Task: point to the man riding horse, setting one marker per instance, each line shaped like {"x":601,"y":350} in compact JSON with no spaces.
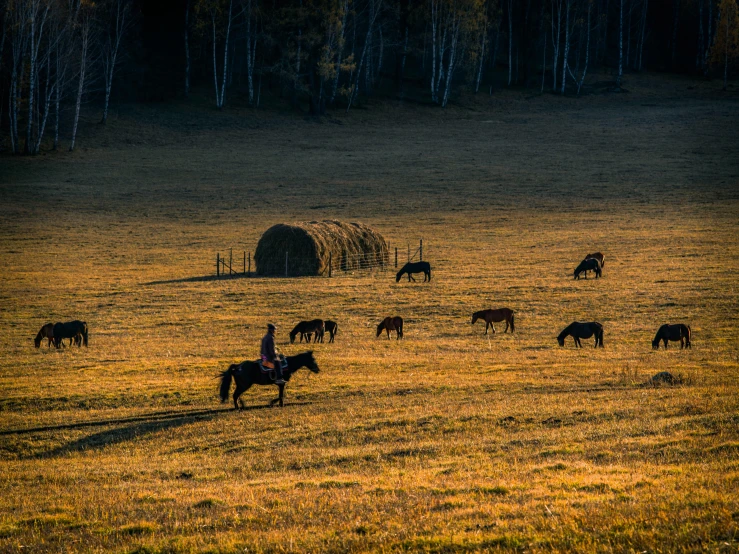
{"x":270,"y":359}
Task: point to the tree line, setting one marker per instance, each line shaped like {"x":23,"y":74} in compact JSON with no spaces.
{"x":331,"y":54}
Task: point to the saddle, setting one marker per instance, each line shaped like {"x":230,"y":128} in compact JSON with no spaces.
{"x":269,"y":367}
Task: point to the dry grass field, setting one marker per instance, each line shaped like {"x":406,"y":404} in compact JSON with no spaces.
{"x":446,"y":441}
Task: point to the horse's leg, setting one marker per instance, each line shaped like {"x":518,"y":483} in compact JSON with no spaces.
{"x":486,"y":327}
{"x":279,"y":398}
{"x":240,"y":389}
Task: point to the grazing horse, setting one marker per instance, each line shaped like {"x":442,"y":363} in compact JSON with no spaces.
{"x":248,"y":373}
{"x":71,"y":330}
{"x":46,"y":332}
{"x":332,"y":327}
{"x":582,"y":331}
{"x":391,"y":324}
{"x":490,"y":316}
{"x":415,"y":267}
{"x":598,"y":256}
{"x":588,"y":264}
{"x":307,"y":328}
{"x":673,"y":332}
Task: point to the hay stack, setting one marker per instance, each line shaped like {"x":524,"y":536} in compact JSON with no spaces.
{"x":309,"y":245}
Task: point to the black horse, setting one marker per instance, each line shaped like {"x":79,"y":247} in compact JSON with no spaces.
{"x":415,"y":267}
{"x":74,"y":330}
{"x":306,"y":329}
{"x":675,"y":332}
{"x":582,"y":331}
{"x":588,"y":264}
{"x":248,"y":373}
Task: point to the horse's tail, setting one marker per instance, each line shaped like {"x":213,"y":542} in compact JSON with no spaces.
{"x":226,"y":377}
{"x":84,"y":333}
{"x":429,"y":266}
{"x":687,"y":327}
{"x":600,"y":336}
{"x":513,"y":326}
{"x":400,"y":328}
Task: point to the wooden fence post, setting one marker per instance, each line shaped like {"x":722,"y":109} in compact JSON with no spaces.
{"x":396,"y":257}
{"x":420,"y":251}
{"x":285,"y":263}
{"x":249,"y":263}
{"x":409,"y":252}
{"x":245,"y":262}
{"x":330,"y":260}
{"x":218,"y":265}
{"x":230,"y":261}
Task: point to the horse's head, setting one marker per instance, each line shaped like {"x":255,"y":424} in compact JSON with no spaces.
{"x":561,"y":339}
{"x":307,"y":360}
{"x":475,"y":317}
{"x":37,"y":340}
{"x":292,"y":337}
{"x":398,"y":275}
{"x":380,"y":327}
{"x":655,"y":344}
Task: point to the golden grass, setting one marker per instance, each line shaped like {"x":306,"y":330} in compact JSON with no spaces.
{"x":446,"y":441}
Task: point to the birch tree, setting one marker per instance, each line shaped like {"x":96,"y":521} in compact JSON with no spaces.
{"x":117,"y":14}
{"x":218,"y":16}
{"x":620,"y":43}
{"x":186,"y":33}
{"x":85,"y":30}
{"x":726,"y":44}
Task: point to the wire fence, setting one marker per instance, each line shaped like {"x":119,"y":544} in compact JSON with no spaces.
{"x":346,"y":263}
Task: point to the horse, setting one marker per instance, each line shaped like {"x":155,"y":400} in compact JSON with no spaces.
{"x":588,"y":264}
{"x":332,"y":327}
{"x":71,"y":330}
{"x":391,"y":324}
{"x":673,"y":332}
{"x":46,"y":332}
{"x":415,"y":267}
{"x":307,"y":328}
{"x":582,"y":331}
{"x":598,"y":256}
{"x":490,"y":316}
{"x":248,"y":373}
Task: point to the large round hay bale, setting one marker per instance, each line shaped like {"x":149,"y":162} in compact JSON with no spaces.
{"x":309,"y":245}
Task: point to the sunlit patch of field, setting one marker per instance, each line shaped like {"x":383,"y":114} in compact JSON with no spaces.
{"x":445,"y":441}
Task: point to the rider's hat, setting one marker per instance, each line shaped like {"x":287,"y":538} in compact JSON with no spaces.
{"x":271,"y":327}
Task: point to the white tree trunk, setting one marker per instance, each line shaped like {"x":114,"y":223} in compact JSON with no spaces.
{"x":555,"y":41}
{"x":370,"y":23}
{"x":482,"y":59}
{"x":567,"y":47}
{"x":620,"y":43}
{"x":112,"y":53}
{"x":81,"y":84}
{"x":643,"y":29}
{"x":187,"y":49}
{"x":340,"y":51}
{"x":510,"y":41}
{"x":434,"y":24}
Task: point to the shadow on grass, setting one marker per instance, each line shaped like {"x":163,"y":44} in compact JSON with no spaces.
{"x":148,"y":418}
{"x":145,"y":426}
{"x":202,"y":279}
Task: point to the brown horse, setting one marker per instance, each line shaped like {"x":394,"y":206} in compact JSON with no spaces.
{"x":673,"y":333}
{"x":490,"y":316}
{"x":391,"y":324}
{"x":307,"y":328}
{"x":46,"y":332}
{"x":598,"y":256}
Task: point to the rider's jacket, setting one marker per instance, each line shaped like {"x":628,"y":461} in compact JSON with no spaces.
{"x":268,"y":348}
